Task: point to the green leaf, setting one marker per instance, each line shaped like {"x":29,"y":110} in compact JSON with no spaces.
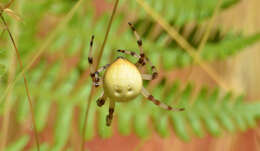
{"x":179,"y":126}
{"x":63,"y":124}
{"x":42,"y":108}
{"x":2,"y":70}
{"x":22,"y":110}
{"x":19,"y":144}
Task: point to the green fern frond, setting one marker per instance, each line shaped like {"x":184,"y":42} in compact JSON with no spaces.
{"x":212,"y":51}
{"x":2,"y":70}
{"x":43,"y":147}
{"x":193,"y":10}
{"x":171,"y":54}
{"x":229,"y":46}
{"x":19,"y":144}
{"x":209,"y":110}
{"x":50,"y":82}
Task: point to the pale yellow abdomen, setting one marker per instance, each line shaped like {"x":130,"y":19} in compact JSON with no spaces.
{"x":122,"y":81}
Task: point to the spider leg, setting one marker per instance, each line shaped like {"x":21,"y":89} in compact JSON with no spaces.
{"x":139,"y":43}
{"x":157,"y":102}
{"x":143,"y":59}
{"x":139,"y":40}
{"x":109,"y":117}
{"x":134,"y":54}
{"x":154,"y":74}
{"x":101,"y":100}
{"x":147,"y":77}
{"x":90,"y":57}
{"x":95,"y":76}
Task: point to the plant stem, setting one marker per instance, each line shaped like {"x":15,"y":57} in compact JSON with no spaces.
{"x":107,"y":33}
{"x":43,"y":47}
{"x":205,"y":38}
{"x":86,"y":118}
{"x":98,"y":61}
{"x":209,"y":27}
{"x":25,"y":83}
{"x":7,"y":103}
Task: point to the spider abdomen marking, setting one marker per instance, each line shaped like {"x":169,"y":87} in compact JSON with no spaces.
{"x":122,"y":81}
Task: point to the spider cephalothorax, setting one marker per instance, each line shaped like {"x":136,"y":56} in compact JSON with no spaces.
{"x":123,"y":80}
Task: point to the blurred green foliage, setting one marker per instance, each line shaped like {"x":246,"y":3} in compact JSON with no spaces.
{"x":51,"y":81}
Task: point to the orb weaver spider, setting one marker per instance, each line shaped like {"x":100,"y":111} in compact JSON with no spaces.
{"x":122,"y":80}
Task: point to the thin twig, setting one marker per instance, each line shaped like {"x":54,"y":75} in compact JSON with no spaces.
{"x":98,"y":61}
{"x":209,"y":27}
{"x":86,"y":118}
{"x":7,"y":103}
{"x":25,"y":83}
{"x":184,"y":44}
{"x":107,"y":33}
{"x":43,"y":47}
{"x":205,"y":37}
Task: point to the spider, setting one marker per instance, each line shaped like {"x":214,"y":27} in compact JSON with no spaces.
{"x":122,"y":80}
